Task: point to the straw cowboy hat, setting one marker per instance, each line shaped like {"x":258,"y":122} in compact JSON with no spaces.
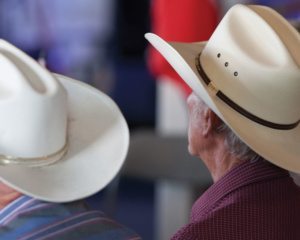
{"x":248,"y":74}
{"x":60,"y":139}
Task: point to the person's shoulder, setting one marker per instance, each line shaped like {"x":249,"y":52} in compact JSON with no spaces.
{"x":33,"y":219}
{"x":205,"y":229}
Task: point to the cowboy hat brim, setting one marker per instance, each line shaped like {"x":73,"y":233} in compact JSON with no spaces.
{"x":280,"y":147}
{"x":98,"y":139}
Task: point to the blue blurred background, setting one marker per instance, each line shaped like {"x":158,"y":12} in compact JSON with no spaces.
{"x":101,"y":42}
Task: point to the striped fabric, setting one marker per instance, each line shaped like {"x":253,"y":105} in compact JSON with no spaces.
{"x":30,"y":219}
{"x":254,"y":201}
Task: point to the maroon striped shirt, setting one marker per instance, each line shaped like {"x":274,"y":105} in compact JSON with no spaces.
{"x":255,"y":200}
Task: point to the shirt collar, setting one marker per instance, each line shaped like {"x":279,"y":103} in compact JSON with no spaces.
{"x":241,"y":175}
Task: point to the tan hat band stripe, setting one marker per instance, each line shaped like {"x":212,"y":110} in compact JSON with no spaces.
{"x":238,"y":108}
{"x":34,"y":162}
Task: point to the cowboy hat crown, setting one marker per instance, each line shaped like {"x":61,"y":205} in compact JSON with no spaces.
{"x":250,"y":54}
{"x":33,"y":108}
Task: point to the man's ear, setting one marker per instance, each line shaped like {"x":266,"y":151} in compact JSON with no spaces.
{"x":212,"y":121}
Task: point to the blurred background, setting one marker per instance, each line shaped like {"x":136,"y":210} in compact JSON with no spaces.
{"x":101,"y":42}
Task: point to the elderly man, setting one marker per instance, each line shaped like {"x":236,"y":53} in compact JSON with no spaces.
{"x":58,"y":145}
{"x":244,"y":124}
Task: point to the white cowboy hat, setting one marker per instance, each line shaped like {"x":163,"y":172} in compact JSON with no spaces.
{"x":248,"y":74}
{"x":60,"y":139}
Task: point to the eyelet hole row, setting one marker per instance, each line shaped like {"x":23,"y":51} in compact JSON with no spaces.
{"x":227,"y":64}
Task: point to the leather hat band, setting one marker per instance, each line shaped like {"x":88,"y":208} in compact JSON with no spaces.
{"x":235,"y":106}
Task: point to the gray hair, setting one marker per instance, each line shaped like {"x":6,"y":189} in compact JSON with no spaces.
{"x":236,"y":146}
{"x":233,"y":143}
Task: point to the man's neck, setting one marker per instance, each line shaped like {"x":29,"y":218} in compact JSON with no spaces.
{"x":224,"y":163}
{"x":219,"y":161}
{"x":7,"y":195}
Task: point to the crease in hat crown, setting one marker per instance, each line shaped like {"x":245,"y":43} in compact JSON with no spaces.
{"x":33,"y":107}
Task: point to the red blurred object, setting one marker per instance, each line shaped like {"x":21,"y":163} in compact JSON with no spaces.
{"x":183,"y":21}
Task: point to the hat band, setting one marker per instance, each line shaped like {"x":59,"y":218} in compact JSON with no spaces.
{"x":34,"y":162}
{"x":235,"y":106}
